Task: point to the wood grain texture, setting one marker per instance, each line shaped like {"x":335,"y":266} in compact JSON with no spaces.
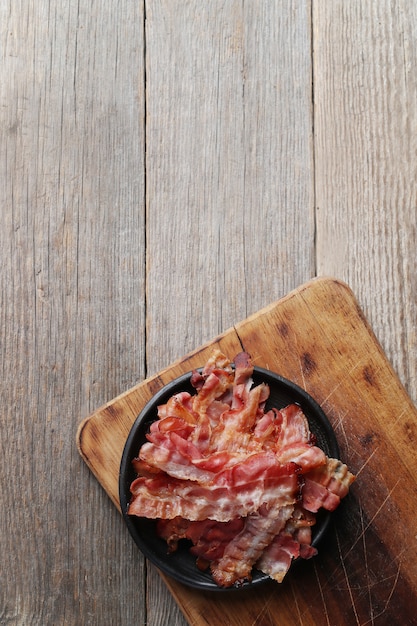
{"x":161,"y":180}
{"x":72,"y":308}
{"x":228,"y":94}
{"x":365,"y":90}
{"x":318,"y":337}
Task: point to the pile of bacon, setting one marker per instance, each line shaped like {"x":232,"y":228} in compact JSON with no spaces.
{"x":242,"y":484}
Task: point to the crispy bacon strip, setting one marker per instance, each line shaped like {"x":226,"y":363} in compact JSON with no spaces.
{"x":245,"y":549}
{"x":292,"y":542}
{"x":326,"y":485}
{"x":242,"y":484}
{"x":278,"y":556}
{"x":209,"y":537}
{"x":235,"y":492}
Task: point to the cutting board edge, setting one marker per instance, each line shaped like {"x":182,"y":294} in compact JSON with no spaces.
{"x":177,"y":362}
{"x":190,"y":603}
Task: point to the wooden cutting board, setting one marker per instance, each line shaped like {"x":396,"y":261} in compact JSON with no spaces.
{"x":366,"y":570}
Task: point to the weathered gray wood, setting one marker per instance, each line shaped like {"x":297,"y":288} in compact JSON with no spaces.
{"x":230,"y":222}
{"x":365,"y":94}
{"x":234,"y":184}
{"x":72,"y":305}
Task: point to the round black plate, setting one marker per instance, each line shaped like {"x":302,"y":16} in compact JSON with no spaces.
{"x":181,"y":564}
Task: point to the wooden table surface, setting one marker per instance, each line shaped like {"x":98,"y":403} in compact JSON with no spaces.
{"x":167,"y":169}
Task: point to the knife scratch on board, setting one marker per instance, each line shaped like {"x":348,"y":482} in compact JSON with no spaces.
{"x":399,"y":416}
{"x":349,"y":588}
{"x":263,"y":611}
{"x":334,"y":389}
{"x":375,"y":515}
{"x":294,"y":595}
{"x":385,"y":607}
{"x":339,"y":426}
{"x":302,"y":373}
{"x":368,"y":580}
{"x":366,"y":462}
{"x":323,"y":599}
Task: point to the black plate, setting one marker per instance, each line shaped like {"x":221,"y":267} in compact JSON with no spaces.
{"x":181,"y":564}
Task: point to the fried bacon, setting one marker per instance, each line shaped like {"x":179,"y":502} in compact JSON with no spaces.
{"x":234,"y":492}
{"x":244,"y":550}
{"x":326,"y":485}
{"x":292,"y":542}
{"x":209,"y":537}
{"x":240,"y":483}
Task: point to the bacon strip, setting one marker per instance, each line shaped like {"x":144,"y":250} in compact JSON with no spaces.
{"x":242,"y":484}
{"x":244,"y":550}
{"x":234,"y":492}
{"x":292,"y":542}
{"x":326,"y":485}
{"x":209,"y":537}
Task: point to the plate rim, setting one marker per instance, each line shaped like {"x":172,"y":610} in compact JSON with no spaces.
{"x":141,"y":422}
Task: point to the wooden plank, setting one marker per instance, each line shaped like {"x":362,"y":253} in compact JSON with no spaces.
{"x":318,"y":337}
{"x":230,"y":213}
{"x":365,"y":90}
{"x":71,"y":299}
{"x":230,"y":221}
